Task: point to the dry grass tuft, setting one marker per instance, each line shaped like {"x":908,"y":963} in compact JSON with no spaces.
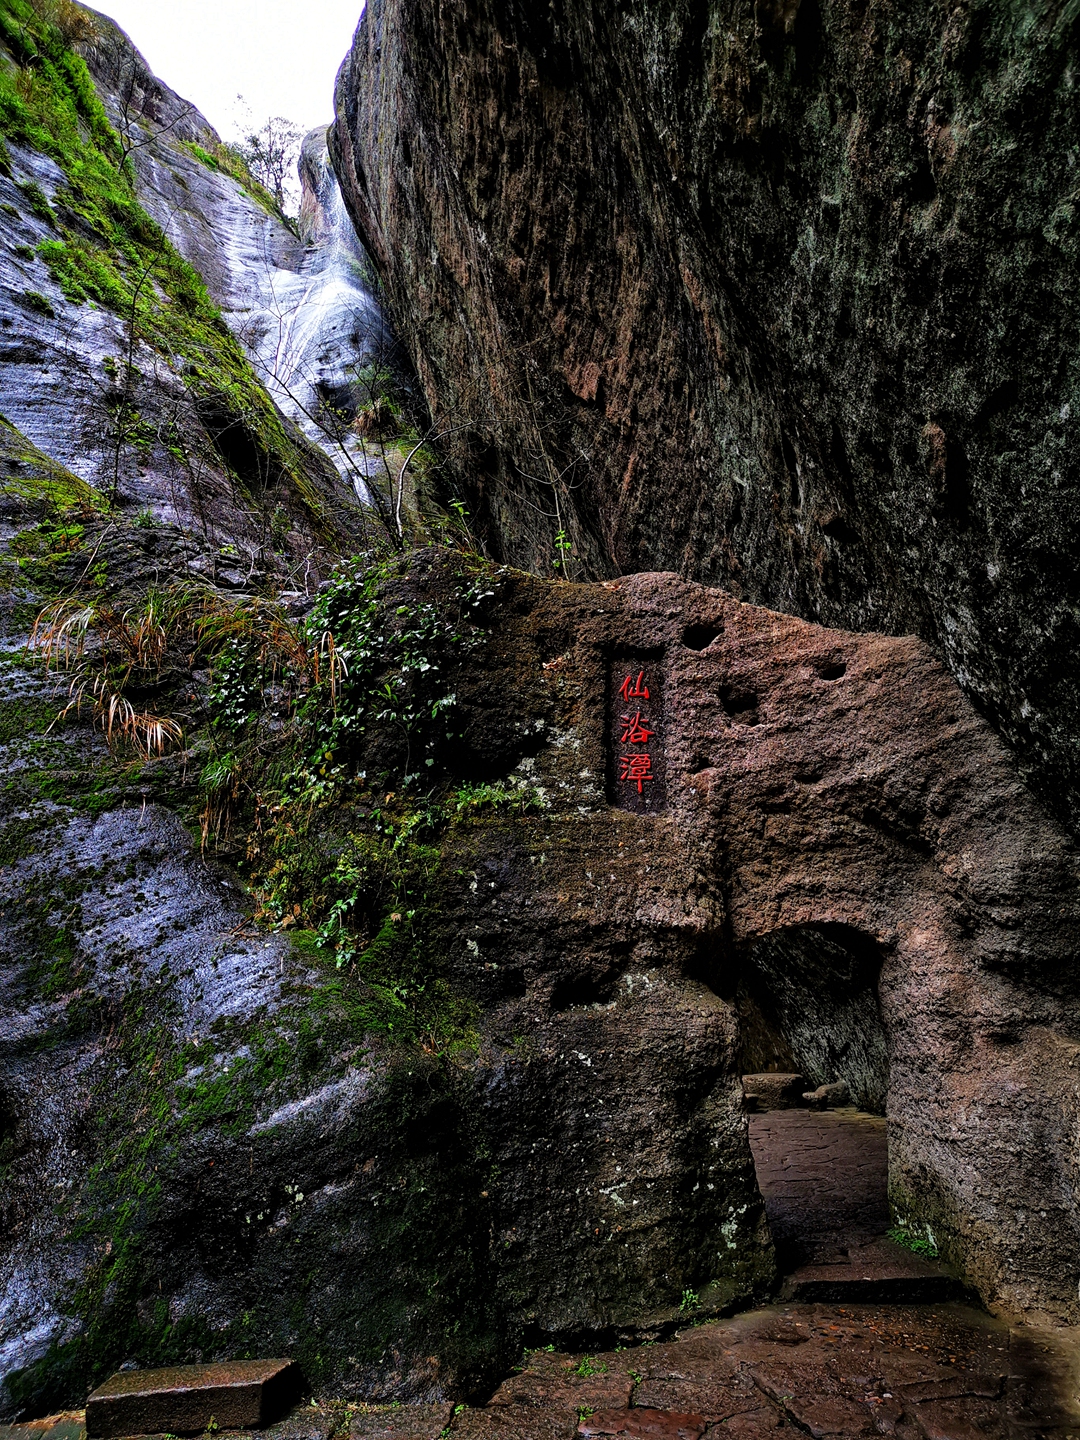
{"x":150,"y":735}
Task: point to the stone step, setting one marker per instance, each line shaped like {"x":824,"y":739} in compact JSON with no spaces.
{"x":873,"y":1273}
{"x":185,"y":1399}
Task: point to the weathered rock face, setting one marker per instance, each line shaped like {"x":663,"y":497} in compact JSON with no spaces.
{"x":322,"y":340}
{"x":836,"y":815}
{"x":114,"y":359}
{"x":819,"y":806}
{"x":778,"y":296}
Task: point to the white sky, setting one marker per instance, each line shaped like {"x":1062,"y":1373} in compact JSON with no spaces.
{"x":281,"y":55}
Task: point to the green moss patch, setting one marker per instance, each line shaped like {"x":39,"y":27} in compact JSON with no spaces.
{"x":36,"y":482}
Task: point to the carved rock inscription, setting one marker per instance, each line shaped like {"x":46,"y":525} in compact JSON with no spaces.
{"x":637,"y":778}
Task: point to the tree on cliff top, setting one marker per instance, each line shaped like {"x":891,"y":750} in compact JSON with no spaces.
{"x":270,"y":152}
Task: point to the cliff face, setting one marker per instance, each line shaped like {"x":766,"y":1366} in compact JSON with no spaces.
{"x":159,"y":334}
{"x":497,"y":1097}
{"x":144,"y":470}
{"x":779,"y":295}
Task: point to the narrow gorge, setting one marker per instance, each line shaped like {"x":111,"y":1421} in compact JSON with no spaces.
{"x":538,"y":727}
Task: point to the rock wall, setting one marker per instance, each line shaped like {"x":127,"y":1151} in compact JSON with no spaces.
{"x":779,"y":296}
{"x":239,"y":1150}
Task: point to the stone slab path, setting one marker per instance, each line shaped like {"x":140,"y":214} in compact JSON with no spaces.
{"x":824,"y":1178}
{"x":944,"y":1372}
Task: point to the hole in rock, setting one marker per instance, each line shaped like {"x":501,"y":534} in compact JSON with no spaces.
{"x":809,"y":1017}
{"x":837,"y":527}
{"x":700,"y":637}
{"x":238,"y":443}
{"x":740,"y":705}
{"x":570,"y":991}
{"x":831,"y":670}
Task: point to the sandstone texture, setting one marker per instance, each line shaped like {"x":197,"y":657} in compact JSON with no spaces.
{"x":778,"y":296}
{"x":859,"y":832}
{"x":234,"y":1154}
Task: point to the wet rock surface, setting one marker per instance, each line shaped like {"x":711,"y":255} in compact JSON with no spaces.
{"x":779,"y":297}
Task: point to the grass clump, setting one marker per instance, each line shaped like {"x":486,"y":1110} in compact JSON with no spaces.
{"x":322,"y":761}
{"x":34,"y":300}
{"x":918,"y":1241}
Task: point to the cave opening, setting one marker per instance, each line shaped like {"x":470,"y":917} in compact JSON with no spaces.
{"x":815,"y":1060}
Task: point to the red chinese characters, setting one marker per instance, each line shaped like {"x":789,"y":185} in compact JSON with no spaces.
{"x":635,"y":730}
{"x":635,"y":766}
{"x":632,"y":689}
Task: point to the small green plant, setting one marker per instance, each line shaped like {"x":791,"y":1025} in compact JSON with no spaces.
{"x":564,"y":547}
{"x":587,"y":1366}
{"x":38,"y":201}
{"x":469,"y":797}
{"x":636,"y":1376}
{"x":585,"y":1412}
{"x":34,"y":300}
{"x":690,"y":1301}
{"x":919,"y":1244}
{"x":145,"y":519}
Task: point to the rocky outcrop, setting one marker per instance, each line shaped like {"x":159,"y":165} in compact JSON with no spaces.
{"x":131,"y":232}
{"x":298,"y":301}
{"x":778,"y":296}
{"x":247,"y":1146}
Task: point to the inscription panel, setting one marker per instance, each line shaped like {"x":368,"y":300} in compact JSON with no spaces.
{"x":637,"y":777}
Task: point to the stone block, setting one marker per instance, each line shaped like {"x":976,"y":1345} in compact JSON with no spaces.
{"x":828,"y":1097}
{"x":772,"y":1091}
{"x":184,"y":1399}
{"x":641,"y":1423}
